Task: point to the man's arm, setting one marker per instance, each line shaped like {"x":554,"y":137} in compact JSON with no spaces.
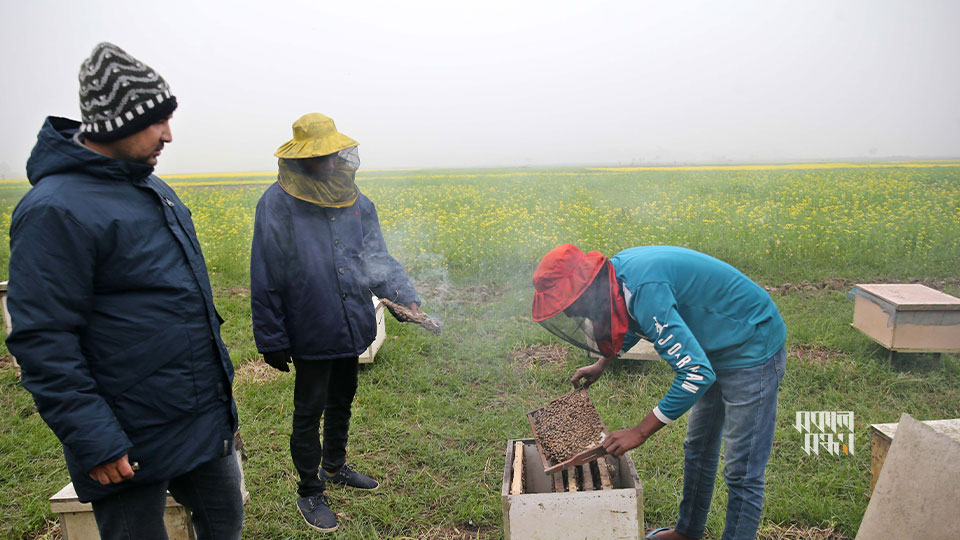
{"x":387,"y":276}
{"x":622,"y":440}
{"x":655,"y":308}
{"x":52,"y":261}
{"x":585,"y":376}
{"x":267,"y":268}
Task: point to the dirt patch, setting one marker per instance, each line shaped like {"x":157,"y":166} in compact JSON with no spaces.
{"x":239,"y":291}
{"x":443,"y":293}
{"x":460,"y":531}
{"x":255,"y":371}
{"x":830,"y":284}
{"x":567,"y":426}
{"x":814,"y":354}
{"x":540,"y":355}
{"x":50,"y":531}
{"x":6,"y":362}
{"x":845,"y":284}
{"x":792,"y":532}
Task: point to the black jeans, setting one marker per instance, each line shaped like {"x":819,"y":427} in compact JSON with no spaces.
{"x":211,"y":492}
{"x":323,"y":388}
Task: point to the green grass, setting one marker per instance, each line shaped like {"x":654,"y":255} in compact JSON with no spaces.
{"x":433,"y":414}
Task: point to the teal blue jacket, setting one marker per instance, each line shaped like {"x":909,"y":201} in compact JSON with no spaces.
{"x":700,"y":313}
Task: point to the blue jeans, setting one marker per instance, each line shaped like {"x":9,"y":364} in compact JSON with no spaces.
{"x":211,"y":492}
{"x":741,"y":408}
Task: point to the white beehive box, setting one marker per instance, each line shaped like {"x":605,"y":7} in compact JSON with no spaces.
{"x":541,"y":514}
{"x":7,"y":326}
{"x":78,"y":523}
{"x":366,"y":357}
{"x":908,"y":317}
{"x":643,"y":350}
{"x":3,"y":301}
{"x":882,"y":438}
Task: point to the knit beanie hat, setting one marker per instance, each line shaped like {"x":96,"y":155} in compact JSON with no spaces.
{"x":120,"y":95}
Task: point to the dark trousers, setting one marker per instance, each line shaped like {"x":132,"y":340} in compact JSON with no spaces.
{"x":323,"y":389}
{"x":211,"y":492}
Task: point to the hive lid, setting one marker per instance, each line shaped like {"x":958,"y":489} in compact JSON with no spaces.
{"x":912,"y":296}
{"x":949,"y":427}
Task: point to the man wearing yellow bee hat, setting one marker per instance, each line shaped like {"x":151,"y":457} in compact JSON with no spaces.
{"x":317,"y":255}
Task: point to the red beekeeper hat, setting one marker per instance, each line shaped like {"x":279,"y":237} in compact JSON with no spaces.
{"x":561,"y":277}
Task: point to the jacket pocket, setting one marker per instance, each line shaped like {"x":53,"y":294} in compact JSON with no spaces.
{"x":152,"y":382}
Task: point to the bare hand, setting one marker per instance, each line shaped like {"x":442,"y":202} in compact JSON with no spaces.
{"x":622,"y":440}
{"x":588,"y":374}
{"x":113,"y":472}
{"x":415,"y":309}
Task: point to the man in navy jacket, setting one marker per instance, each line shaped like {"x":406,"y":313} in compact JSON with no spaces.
{"x":113,"y":318}
{"x":317,"y":255}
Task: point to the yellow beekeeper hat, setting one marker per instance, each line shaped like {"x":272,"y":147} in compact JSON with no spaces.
{"x":314,"y":135}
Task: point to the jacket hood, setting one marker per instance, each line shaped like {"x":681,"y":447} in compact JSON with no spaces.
{"x":57,"y":152}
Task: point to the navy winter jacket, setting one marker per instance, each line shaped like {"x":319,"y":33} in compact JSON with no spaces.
{"x":113,"y":318}
{"x":312,"y":270}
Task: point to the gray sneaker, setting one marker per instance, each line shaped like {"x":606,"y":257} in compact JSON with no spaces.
{"x":317,"y":513}
{"x":349,"y":477}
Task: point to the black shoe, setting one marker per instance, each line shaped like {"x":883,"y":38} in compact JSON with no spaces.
{"x":317,"y":513}
{"x":349,"y":477}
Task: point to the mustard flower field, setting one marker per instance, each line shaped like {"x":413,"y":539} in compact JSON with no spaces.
{"x":778,"y":224}
{"x":433,"y":413}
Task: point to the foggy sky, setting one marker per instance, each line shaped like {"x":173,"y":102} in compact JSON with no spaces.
{"x":500,"y":83}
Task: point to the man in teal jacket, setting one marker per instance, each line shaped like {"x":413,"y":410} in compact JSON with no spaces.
{"x":719,"y":331}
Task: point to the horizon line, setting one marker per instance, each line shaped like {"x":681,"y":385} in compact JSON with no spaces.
{"x":783,"y":165}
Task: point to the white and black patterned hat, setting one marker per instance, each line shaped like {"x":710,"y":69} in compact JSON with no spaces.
{"x":120,"y":95}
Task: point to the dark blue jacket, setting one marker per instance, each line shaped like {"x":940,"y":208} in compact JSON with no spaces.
{"x":113,"y":318}
{"x":312,"y":270}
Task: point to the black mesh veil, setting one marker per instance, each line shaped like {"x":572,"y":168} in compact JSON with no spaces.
{"x":577,"y":331}
{"x":587,"y":320}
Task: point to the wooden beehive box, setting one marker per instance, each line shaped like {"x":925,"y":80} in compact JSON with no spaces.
{"x":611,"y":512}
{"x":366,"y":357}
{"x":643,"y":350}
{"x":77,"y":521}
{"x":882,"y":438}
{"x":908,"y":317}
{"x":7,"y":326}
{"x":586,"y":455}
